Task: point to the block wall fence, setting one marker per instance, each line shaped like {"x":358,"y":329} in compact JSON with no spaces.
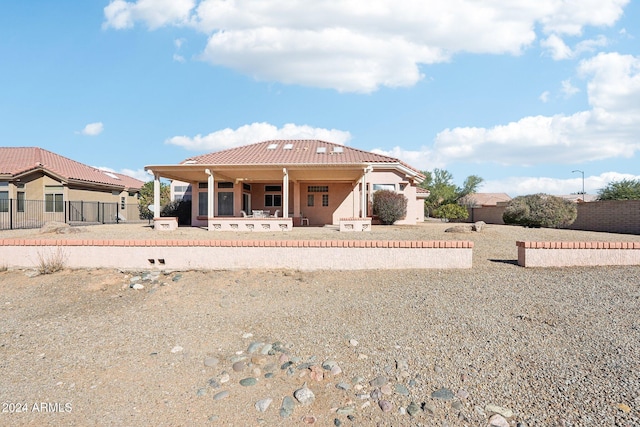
{"x":302,"y":255}
{"x":609,"y":216}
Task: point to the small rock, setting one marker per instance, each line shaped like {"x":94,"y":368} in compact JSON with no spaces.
{"x":402,"y":365}
{"x":247,"y":335}
{"x":287,"y":407}
{"x":337,"y":422}
{"x":443,"y":394}
{"x":201,"y":392}
{"x":221,"y":395}
{"x":213,"y":383}
{"x":343,"y":386}
{"x":238,"y":366}
{"x":309,"y":419}
{"x":505,"y":412}
{"x":437,"y":369}
{"x":285,"y":365}
{"x":176,"y":277}
{"x":623,"y":407}
{"x":498,"y":420}
{"x":376,"y":394}
{"x":429,"y":407}
{"x":346,"y":410}
{"x":336,"y":370}
{"x":385,"y":405}
{"x":254,"y":346}
{"x":224,"y":378}
{"x":304,"y":395}
{"x":457,"y":405}
{"x":402,"y":390}
{"x":247,"y":382}
{"x":462,"y":394}
{"x":353,"y":342}
{"x":378,"y":381}
{"x":267,"y":349}
{"x":263,"y":404}
{"x":329,"y":364}
{"x":413,"y":409}
{"x":258,"y":359}
{"x":137,"y":286}
{"x":176,"y":349}
{"x":386,"y":389}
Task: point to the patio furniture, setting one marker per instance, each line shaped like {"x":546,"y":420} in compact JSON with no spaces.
{"x":275,"y":214}
{"x":303,"y":219}
{"x":244,"y":215}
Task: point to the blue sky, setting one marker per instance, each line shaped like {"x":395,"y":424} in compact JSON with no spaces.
{"x":519,"y":95}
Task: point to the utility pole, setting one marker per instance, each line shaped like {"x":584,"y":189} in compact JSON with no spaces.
{"x":582,"y":172}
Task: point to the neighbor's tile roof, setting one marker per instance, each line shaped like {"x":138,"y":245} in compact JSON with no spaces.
{"x":485,"y":199}
{"x":294,"y":152}
{"x":18,"y":160}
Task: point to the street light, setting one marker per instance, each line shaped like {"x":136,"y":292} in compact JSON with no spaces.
{"x":582,"y":172}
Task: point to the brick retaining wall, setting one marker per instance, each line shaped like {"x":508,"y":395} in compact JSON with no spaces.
{"x":565,"y":254}
{"x":239,"y":254}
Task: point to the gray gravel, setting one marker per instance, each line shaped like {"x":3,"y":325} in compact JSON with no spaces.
{"x":540,"y":347}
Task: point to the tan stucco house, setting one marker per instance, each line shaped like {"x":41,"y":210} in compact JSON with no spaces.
{"x":289,"y":183}
{"x":37,"y":185}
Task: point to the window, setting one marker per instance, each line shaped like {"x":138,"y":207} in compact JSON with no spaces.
{"x":246,"y":187}
{"x":203,"y":199}
{"x":310,"y":200}
{"x":272,"y":188}
{"x":225,"y":185}
{"x":325,"y":200}
{"x":317,"y":189}
{"x":272,"y":200}
{"x":390,"y":187}
{"x":4,"y":201}
{"x":203,"y":185}
{"x":53,"y":199}
{"x":123,"y":203}
{"x":21,"y":199}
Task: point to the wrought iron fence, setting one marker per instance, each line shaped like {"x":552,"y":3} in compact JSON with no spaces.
{"x":19,"y":213}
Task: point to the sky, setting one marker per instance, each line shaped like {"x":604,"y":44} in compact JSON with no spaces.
{"x":530,"y":95}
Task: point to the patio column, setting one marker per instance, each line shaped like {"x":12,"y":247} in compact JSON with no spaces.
{"x":363,"y":193}
{"x":156,"y":195}
{"x":285,"y":193}
{"x":210,"y":193}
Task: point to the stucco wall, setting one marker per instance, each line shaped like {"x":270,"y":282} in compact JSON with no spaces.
{"x":566,"y":254}
{"x":234,"y":255}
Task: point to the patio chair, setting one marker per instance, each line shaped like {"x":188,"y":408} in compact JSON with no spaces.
{"x":275,"y":214}
{"x":244,"y":215}
{"x":303,"y":219}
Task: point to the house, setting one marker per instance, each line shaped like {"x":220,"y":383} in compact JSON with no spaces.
{"x":37,"y":186}
{"x":292,"y":182}
{"x":487,"y":207}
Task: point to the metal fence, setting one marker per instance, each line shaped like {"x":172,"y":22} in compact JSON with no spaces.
{"x":18,"y":213}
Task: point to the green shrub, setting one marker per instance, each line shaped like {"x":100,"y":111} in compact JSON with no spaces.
{"x":181,"y":209}
{"x":389,"y":206}
{"x":451,"y":211}
{"x":540,"y":210}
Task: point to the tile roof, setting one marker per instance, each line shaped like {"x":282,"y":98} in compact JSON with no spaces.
{"x":309,"y":152}
{"x":18,"y":160}
{"x":485,"y":199}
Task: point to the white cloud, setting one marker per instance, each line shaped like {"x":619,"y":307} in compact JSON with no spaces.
{"x":178,"y":58}
{"x":353,"y":46}
{"x":140,"y":174}
{"x":93,"y":129}
{"x":544,"y":96}
{"x":120,"y":14}
{"x":609,"y":129}
{"x":568,"y":88}
{"x":423,"y":159}
{"x":557,"y":48}
{"x":518,"y":186}
{"x":257,"y":132}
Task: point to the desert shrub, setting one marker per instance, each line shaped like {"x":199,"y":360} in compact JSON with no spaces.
{"x":51,"y":262}
{"x":627,"y":189}
{"x":451,"y":211}
{"x":181,"y":209}
{"x":389,"y":206}
{"x":540,"y":210}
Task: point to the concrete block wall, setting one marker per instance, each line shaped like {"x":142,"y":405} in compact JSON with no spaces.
{"x":239,"y":254}
{"x":567,"y":254}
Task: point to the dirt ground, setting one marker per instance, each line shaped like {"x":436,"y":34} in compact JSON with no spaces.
{"x":545,"y":346}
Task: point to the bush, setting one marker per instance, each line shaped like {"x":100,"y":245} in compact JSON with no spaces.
{"x":451,"y":211}
{"x":181,"y":209}
{"x":540,"y":210}
{"x":389,"y":206}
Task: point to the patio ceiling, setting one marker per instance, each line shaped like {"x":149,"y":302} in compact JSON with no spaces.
{"x":259,"y":173}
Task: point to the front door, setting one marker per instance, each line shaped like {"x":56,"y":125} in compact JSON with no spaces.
{"x":225,"y":203}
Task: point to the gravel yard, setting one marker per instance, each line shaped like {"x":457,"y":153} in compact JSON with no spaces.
{"x":538,"y":347}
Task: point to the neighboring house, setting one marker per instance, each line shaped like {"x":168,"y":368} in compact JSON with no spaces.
{"x":37,"y":185}
{"x":319,"y":181}
{"x":487,"y":207}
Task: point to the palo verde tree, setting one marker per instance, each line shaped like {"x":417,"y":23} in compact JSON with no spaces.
{"x":627,"y":189}
{"x":442,"y":190}
{"x":146,"y":199}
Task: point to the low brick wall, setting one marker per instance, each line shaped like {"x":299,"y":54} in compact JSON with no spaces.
{"x":239,"y":254}
{"x":566,"y":254}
